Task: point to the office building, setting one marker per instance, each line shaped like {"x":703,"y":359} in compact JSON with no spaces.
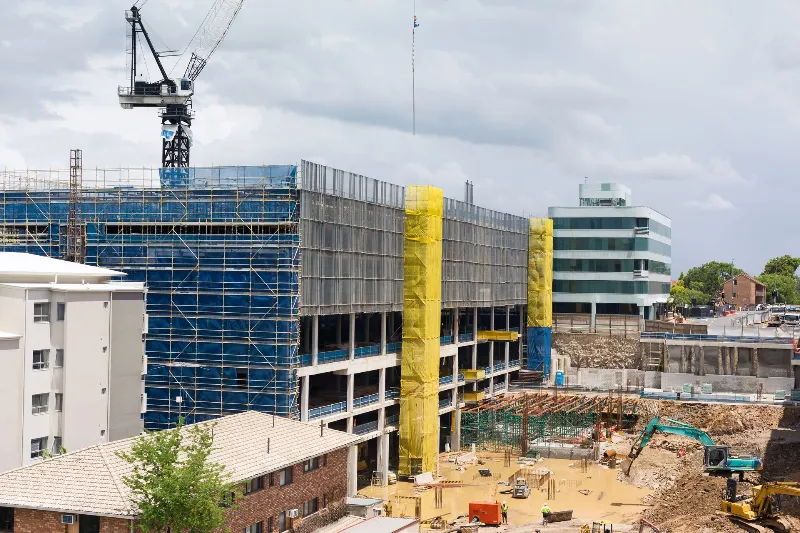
{"x":610,"y":257}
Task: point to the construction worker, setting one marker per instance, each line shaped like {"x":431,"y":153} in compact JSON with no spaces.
{"x":545,"y":513}
{"x":504,"y":512}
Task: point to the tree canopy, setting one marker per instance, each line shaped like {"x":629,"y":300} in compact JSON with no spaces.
{"x":786,"y":285}
{"x":709,"y":278}
{"x":785,"y":265}
{"x":175,"y":487}
{"x":679,"y":295}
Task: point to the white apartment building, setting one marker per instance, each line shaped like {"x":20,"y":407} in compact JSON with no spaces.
{"x":610,"y":257}
{"x":71,"y":357}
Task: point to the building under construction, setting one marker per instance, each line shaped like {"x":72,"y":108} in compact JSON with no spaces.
{"x":283,"y":289}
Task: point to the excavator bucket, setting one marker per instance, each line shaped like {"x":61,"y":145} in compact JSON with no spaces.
{"x":625,"y":466}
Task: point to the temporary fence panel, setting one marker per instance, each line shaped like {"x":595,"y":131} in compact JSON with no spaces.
{"x":422,"y":295}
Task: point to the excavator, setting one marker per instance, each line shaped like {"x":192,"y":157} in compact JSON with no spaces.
{"x":758,"y":512}
{"x":717,"y":459}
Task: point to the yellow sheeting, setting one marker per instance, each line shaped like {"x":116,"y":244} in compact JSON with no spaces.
{"x":474,"y":397}
{"x":422,"y":306}
{"x":540,"y":273}
{"x":474,"y":375}
{"x":499,"y":335}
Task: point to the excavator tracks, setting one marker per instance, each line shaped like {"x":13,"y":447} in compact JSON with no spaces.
{"x":769,"y":525}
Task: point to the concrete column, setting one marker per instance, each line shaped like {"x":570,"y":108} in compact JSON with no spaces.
{"x":383,"y":458}
{"x":735,"y":367}
{"x":720,"y":364}
{"x":691,"y":360}
{"x":352,"y":471}
{"x":455,"y":325}
{"x":475,"y":324}
{"x":305,"y":384}
{"x":381,"y":385}
{"x":455,"y":438}
{"x":338,"y":330}
{"x":683,"y":359}
{"x":727,"y":360}
{"x":508,"y":344}
{"x":665,"y":357}
{"x":491,"y":352}
{"x":701,"y":361}
{"x":383,"y":333}
{"x":594,"y":316}
{"x":351,"y":345}
{"x":755,"y":362}
{"x":350,"y":388}
{"x":315,"y":340}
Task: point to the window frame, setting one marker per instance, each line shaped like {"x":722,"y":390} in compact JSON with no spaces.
{"x":58,"y":402}
{"x":284,"y":479}
{"x":40,"y":316}
{"x":58,"y":361}
{"x":312,"y":464}
{"x":57,"y":445}
{"x":258,"y":527}
{"x":42,"y":441}
{"x":7,"y":513}
{"x":44,"y":363}
{"x":44,"y":406}
{"x":307,"y":504}
{"x":61,"y":311}
{"x":253,"y":485}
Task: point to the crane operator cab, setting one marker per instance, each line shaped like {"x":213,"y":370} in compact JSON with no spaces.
{"x":718,"y":460}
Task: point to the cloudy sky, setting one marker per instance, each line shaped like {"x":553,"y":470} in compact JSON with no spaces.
{"x":694,"y":105}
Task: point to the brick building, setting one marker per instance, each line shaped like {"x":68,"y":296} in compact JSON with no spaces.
{"x":293,"y":474}
{"x":744,"y":291}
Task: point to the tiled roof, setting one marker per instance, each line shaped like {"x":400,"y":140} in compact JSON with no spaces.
{"x":89,"y":481}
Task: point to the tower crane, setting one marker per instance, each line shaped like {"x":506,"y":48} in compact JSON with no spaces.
{"x":174,"y":96}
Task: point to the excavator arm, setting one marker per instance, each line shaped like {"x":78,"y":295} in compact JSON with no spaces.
{"x":674,"y":427}
{"x":761,"y":495}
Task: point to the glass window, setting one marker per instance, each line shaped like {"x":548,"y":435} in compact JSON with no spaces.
{"x":255,"y":528}
{"x":59,"y":358}
{"x":41,"y":359}
{"x":61,"y":309}
{"x":41,"y":312}
{"x":255,"y":484}
{"x":6,"y":519}
{"x":59,"y":402}
{"x":310,"y":507}
{"x":311,"y":464}
{"x":39,"y":403}
{"x":584,"y":286}
{"x":57,"y":448}
{"x":584,"y":223}
{"x":286,"y":476}
{"x":38,"y":447}
{"x":282,"y":522}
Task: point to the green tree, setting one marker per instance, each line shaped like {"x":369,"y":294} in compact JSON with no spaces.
{"x":680,"y":295}
{"x":785,"y":265}
{"x":174,"y":485}
{"x":709,"y":277}
{"x":786,"y":285}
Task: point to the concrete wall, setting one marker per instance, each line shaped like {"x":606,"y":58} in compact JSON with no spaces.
{"x":12,"y":373}
{"x":86,"y":343}
{"x":771,"y":362}
{"x":610,"y":378}
{"x":741,"y":384}
{"x":126,"y":354}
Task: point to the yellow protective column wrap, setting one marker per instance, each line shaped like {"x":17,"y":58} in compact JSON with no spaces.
{"x":540,"y":273}
{"x":422,"y":308}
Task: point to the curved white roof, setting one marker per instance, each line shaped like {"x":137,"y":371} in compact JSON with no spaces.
{"x":14,"y":264}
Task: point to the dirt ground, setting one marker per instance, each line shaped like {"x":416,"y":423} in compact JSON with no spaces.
{"x":686,"y":501}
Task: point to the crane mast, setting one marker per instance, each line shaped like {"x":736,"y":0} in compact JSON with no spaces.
{"x":173,"y":97}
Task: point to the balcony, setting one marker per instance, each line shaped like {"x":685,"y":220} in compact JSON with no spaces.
{"x":447,"y":339}
{"x":392,"y":394}
{"x":641,"y":273}
{"x":392,"y":420}
{"x":465,"y":337}
{"x":369,"y":427}
{"x":514,"y":364}
{"x":365,"y":400}
{"x":642,"y":230}
{"x":498,"y":367}
{"x":446,"y":380}
{"x":327,"y":410}
{"x":447,"y":402}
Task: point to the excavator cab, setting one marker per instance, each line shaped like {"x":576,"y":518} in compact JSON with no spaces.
{"x":715,"y":458}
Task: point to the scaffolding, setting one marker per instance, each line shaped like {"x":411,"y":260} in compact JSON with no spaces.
{"x":219,"y":251}
{"x":422,"y":299}
{"x":500,"y":424}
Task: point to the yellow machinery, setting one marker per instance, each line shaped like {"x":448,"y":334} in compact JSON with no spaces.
{"x":758,"y":512}
{"x":422,"y":307}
